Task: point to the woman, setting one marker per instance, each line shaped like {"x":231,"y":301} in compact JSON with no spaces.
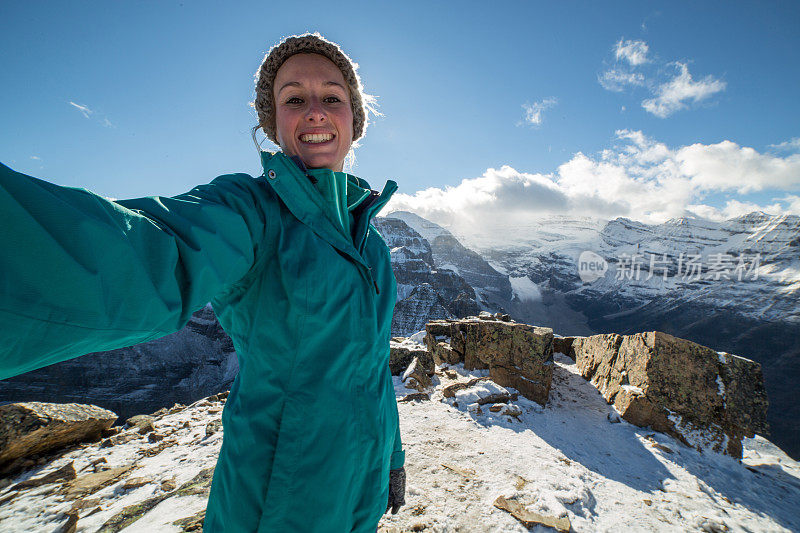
{"x":296,"y":274}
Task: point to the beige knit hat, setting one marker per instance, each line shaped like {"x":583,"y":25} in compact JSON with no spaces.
{"x":316,"y":44}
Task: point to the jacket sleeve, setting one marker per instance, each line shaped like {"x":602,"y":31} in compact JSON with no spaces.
{"x":80,"y":273}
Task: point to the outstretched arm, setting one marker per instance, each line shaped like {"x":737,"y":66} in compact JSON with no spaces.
{"x":80,"y":273}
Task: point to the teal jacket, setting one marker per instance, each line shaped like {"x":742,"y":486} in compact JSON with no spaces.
{"x":311,"y":423}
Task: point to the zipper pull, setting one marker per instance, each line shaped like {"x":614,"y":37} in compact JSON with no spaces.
{"x":374,"y":283}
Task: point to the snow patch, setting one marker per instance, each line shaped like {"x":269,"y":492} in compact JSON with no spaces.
{"x":524,"y":289}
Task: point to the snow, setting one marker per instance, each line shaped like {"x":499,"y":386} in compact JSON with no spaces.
{"x":720,"y":387}
{"x":525,"y":289}
{"x":565,"y":459}
{"x":418,"y":337}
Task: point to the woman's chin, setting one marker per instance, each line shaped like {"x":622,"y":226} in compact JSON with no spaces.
{"x":321,"y":161}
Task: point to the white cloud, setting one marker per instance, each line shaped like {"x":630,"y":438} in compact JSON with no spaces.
{"x":634,"y":52}
{"x":787,"y":146}
{"x":618,"y":80}
{"x":640,"y":178}
{"x":727,"y":166}
{"x":83,"y":109}
{"x":672,"y":95}
{"x":36,"y":157}
{"x":533,"y":112}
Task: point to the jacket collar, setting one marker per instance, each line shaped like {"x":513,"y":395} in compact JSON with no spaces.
{"x":292,"y":184}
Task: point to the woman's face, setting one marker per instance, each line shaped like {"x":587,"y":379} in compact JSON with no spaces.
{"x":313,"y":117}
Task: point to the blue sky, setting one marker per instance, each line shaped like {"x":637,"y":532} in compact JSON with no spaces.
{"x":164,"y":91}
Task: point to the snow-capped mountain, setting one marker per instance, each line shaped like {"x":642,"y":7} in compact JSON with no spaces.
{"x":424,"y":292}
{"x":731,"y":285}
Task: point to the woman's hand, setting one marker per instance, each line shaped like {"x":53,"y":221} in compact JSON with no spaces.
{"x":397,"y":490}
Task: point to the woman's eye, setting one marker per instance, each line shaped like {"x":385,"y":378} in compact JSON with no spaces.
{"x":294,"y":100}
{"x":332,"y":99}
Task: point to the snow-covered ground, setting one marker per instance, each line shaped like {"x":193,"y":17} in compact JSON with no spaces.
{"x":567,"y":459}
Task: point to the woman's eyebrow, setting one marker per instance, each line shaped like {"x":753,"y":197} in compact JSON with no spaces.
{"x":298,"y":84}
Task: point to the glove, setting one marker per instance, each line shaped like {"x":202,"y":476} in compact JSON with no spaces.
{"x":397,"y":490}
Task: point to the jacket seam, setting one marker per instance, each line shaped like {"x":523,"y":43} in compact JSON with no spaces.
{"x":246,"y":281}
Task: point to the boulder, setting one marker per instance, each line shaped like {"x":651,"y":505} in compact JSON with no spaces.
{"x":704,"y":398}
{"x":402,"y":353}
{"x":34,"y":428}
{"x":415,"y":376}
{"x":516,"y":355}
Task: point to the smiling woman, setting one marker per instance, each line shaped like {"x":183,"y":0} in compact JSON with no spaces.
{"x":297,"y":275}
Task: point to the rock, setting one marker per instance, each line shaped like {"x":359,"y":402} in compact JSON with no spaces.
{"x":155,"y":437}
{"x":564,"y":345}
{"x":517,"y":355}
{"x":450,"y":390}
{"x":401,"y":355}
{"x":97,"y":462}
{"x":33,"y":428}
{"x":65,"y":473}
{"x":135,"y":482}
{"x":79,"y":505}
{"x":71,"y":524}
{"x":529,"y":518}
{"x":500,"y":397}
{"x":192,"y":523}
{"x":122,"y":438}
{"x":140,"y":422}
{"x":157,"y":449}
{"x":415,"y":376}
{"x":109,"y":432}
{"x":178,"y":407}
{"x":414,"y":396}
{"x":168,"y":485}
{"x":199,"y":484}
{"x":466,"y":472}
{"x":91,"y":483}
{"x":131,"y":514}
{"x":451,"y":374}
{"x":212,"y":427}
{"x":675,"y":386}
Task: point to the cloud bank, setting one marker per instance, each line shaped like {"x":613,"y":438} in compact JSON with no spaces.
{"x":638,"y":178}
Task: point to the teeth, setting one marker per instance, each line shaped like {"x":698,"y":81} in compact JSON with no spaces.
{"x":316,"y":137}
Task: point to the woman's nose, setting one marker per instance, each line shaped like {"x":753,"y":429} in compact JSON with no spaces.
{"x":315,"y":112}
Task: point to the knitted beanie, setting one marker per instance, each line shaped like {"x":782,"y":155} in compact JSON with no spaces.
{"x":299,"y":44}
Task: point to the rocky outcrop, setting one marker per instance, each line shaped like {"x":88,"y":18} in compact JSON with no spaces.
{"x":704,"y":398}
{"x":516,"y":355}
{"x":31,"y":429}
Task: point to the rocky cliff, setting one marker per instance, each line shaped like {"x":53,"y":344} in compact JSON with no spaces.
{"x":189,"y":364}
